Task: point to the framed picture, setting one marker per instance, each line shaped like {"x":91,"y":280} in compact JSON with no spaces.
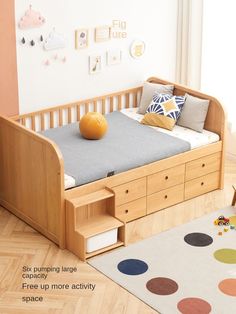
{"x":102,"y":33}
{"x":137,"y":48}
{"x":95,"y":64}
{"x":114,"y":57}
{"x":81,"y":38}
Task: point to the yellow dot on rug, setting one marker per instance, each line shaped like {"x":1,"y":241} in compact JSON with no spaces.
{"x":232,"y":220}
{"x":227,"y":256}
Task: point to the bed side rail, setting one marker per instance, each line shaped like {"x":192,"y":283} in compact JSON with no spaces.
{"x":32,"y":179}
{"x":72,"y":112}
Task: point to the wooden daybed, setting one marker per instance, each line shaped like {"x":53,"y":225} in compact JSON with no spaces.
{"x":32,"y":175}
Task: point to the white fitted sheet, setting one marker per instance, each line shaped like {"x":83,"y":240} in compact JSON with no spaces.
{"x":195,"y":139}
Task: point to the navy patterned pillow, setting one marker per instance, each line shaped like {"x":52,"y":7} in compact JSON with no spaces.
{"x":164,"y":110}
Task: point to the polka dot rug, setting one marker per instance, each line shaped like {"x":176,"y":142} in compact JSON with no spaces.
{"x":190,"y":269}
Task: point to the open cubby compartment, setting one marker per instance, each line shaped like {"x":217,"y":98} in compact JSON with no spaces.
{"x":91,"y":227}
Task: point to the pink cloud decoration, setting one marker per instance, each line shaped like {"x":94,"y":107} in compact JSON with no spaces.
{"x":31,"y":19}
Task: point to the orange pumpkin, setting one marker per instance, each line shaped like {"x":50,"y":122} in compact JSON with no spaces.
{"x":93,"y":126}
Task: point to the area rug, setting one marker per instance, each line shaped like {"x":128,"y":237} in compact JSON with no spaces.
{"x":190,"y":269}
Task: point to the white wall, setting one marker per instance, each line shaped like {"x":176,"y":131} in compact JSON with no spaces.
{"x":153,"y":21}
{"x":219,"y":59}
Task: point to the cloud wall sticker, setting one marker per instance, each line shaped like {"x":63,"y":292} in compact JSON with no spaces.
{"x":54,"y":41}
{"x":31,"y":19}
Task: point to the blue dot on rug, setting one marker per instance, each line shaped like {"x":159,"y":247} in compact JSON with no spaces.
{"x":198,"y":239}
{"x":132,"y":267}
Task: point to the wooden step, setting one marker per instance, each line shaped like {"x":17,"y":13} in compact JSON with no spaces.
{"x":97,"y":225}
{"x":91,"y":198}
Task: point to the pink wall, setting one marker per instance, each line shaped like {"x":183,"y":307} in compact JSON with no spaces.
{"x":8,"y":66}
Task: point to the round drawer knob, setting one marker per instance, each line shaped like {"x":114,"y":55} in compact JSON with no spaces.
{"x":126,"y":211}
{"x":126,"y":191}
{"x":203,"y":165}
{"x":166,"y":196}
{"x":202,"y":183}
{"x":166,"y":177}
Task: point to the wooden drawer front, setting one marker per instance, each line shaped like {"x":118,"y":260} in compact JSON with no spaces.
{"x":131,"y":210}
{"x":129,"y":191}
{"x":165,"y":198}
{"x":202,"y":185}
{"x":202,"y":166}
{"x":165,"y":179}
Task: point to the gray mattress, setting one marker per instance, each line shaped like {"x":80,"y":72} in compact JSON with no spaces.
{"x":126,"y":145}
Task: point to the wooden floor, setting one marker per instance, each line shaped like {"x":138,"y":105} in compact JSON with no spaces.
{"x":20,"y":245}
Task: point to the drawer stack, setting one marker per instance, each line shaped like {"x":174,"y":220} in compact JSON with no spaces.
{"x":165,"y":188}
{"x":202,"y":175}
{"x":130,"y":200}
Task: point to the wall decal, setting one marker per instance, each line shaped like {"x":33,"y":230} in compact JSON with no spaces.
{"x":32,"y":43}
{"x":31,"y":19}
{"x":55,"y":59}
{"x":118,"y":30}
{"x":41,"y":38}
{"x":81,"y":38}
{"x":23,"y":40}
{"x":54,"y":41}
{"x":95,"y":64}
{"x":114,"y":57}
{"x":102,"y":33}
{"x":137,"y":48}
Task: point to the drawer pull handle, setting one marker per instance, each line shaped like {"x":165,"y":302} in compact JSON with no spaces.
{"x":166,"y":196}
{"x":126,"y":191}
{"x":166,"y":177}
{"x":202,"y":183}
{"x":203,"y":165}
{"x":126,"y":211}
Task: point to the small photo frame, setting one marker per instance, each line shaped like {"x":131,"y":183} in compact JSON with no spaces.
{"x":114,"y":57}
{"x":137,"y":48}
{"x":81,"y":38}
{"x":102,"y":33}
{"x":95,"y":64}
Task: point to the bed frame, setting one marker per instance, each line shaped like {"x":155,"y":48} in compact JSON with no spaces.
{"x":32,"y":175}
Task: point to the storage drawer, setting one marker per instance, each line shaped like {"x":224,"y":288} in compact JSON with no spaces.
{"x":202,"y":185}
{"x":101,"y":240}
{"x":202,"y":166}
{"x":165,"y":179}
{"x":131,"y":210}
{"x":165,"y":198}
{"x":130,"y":191}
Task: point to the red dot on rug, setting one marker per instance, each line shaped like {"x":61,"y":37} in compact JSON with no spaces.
{"x":228,"y":286}
{"x":162,"y":286}
{"x":194,"y":306}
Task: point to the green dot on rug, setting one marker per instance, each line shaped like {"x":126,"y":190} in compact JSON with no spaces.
{"x":227,"y":256}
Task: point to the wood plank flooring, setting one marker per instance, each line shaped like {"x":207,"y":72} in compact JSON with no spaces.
{"x":20,"y":245}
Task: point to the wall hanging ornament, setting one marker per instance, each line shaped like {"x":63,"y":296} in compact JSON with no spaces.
{"x":54,"y":41}
{"x":102,"y":33}
{"x":31,"y":19}
{"x":23,"y":40}
{"x":32,"y":43}
{"x":95,"y":64}
{"x":81,"y":38}
{"x":137,"y":48}
{"x":114,"y":57}
{"x":41,"y":38}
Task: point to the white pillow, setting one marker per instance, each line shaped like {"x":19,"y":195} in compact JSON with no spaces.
{"x":149,"y":89}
